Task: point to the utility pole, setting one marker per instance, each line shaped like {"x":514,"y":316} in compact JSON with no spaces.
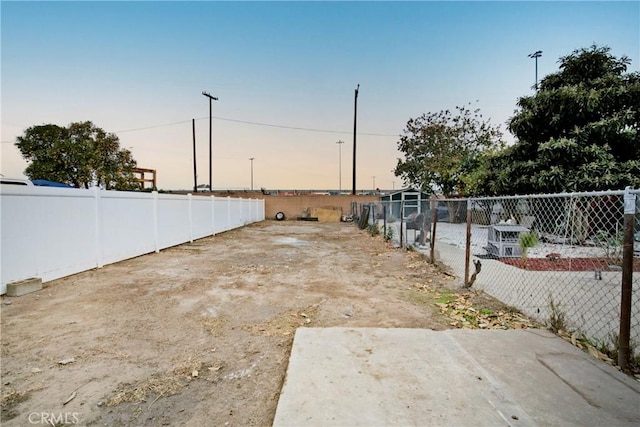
{"x":251,"y":158}
{"x":355,"y":119}
{"x":537,"y":54}
{"x":195,"y":171}
{"x":211,"y":98}
{"x":340,"y":165}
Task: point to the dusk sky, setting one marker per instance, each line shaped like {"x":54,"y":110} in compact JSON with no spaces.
{"x":138,"y":69}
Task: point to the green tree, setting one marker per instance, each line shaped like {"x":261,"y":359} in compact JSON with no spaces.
{"x":578,"y":132}
{"x":445,"y":151}
{"x":80,"y":155}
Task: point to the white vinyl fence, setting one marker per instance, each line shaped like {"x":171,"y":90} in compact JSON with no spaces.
{"x":51,"y":232}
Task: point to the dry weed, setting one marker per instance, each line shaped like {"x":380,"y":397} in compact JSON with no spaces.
{"x":11,"y":396}
{"x":166,"y":384}
{"x":214,"y":325}
{"x":286,"y":323}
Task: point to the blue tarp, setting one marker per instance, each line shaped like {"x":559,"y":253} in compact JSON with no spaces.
{"x":47,"y":183}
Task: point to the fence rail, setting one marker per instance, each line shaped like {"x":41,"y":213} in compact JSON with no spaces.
{"x":55,"y":232}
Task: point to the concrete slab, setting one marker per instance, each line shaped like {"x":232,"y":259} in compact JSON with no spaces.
{"x":381,"y":377}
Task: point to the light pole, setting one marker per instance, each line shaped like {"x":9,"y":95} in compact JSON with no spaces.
{"x":355,"y":118}
{"x":195,"y":167}
{"x":537,"y":54}
{"x":374,"y":183}
{"x":211,"y":98}
{"x":251,"y":158}
{"x":340,"y":165}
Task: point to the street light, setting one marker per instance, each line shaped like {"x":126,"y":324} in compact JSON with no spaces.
{"x":537,"y":54}
{"x":251,"y":158}
{"x":340,"y":164}
{"x":211,"y":98}
{"x":374,"y":183}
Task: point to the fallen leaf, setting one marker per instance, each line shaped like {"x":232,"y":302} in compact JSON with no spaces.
{"x":67,"y":361}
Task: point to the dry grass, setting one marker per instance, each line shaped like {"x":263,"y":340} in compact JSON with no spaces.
{"x":156,"y":385}
{"x":11,"y":396}
{"x":286,"y":323}
{"x":166,"y":384}
{"x":101,"y":350}
{"x":214,"y":325}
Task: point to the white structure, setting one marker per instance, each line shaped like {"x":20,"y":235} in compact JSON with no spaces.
{"x":503,"y":240}
{"x":52,"y":232}
{"x":409,"y":200}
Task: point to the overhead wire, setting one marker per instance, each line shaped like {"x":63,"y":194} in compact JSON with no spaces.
{"x":246,"y":122}
{"x":258,"y":124}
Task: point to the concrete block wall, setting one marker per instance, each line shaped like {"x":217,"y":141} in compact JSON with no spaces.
{"x":294,"y":206}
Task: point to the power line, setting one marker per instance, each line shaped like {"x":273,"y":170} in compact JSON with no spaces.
{"x":227,"y":119}
{"x":302,"y":128}
{"x":153,"y":126}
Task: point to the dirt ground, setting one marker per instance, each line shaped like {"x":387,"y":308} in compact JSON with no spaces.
{"x":200,"y":334}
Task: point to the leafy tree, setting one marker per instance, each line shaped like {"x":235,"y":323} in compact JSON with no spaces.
{"x":579,"y":132}
{"x":445,"y":151}
{"x":80,"y":155}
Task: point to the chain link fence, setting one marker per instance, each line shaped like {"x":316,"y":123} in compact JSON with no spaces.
{"x":403,"y":223}
{"x":558,"y":258}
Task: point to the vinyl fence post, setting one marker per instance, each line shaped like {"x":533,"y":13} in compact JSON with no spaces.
{"x":190,"y":201}
{"x":213,"y":215}
{"x":434,"y":223}
{"x":99,"y":227}
{"x":229,"y":226}
{"x":254,"y":210}
{"x":624,"y":351}
{"x":156,"y":237}
{"x":467,"y":248}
